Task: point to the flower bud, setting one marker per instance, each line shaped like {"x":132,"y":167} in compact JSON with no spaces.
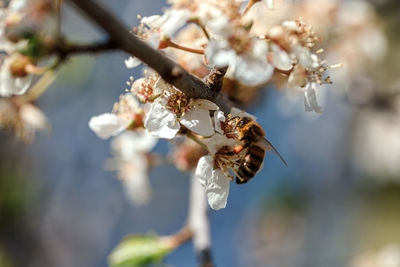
{"x":18,"y":65}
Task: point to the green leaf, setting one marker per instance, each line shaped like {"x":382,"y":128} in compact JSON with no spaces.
{"x":139,"y":250}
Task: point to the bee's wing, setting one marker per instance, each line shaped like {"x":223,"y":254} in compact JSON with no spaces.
{"x":269,"y":146}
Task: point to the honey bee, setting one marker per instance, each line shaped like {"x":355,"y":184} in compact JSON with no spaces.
{"x":252,"y":135}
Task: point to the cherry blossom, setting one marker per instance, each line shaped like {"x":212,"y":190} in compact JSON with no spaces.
{"x":131,"y":163}
{"x":171,"y":110}
{"x":249,"y":68}
{"x":212,"y":170}
{"x":216,"y":184}
{"x":10,"y":84}
{"x":126,"y":113}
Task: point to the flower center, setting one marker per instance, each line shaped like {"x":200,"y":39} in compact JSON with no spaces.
{"x":178,"y":103}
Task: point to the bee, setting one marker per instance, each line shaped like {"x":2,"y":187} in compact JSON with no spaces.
{"x":252,"y":135}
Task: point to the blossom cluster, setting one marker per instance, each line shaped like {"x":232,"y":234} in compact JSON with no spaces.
{"x":203,"y":36}
{"x":169,"y":113}
{"x":25,"y":31}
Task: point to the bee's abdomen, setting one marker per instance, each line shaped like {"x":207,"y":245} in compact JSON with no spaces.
{"x":250,"y":164}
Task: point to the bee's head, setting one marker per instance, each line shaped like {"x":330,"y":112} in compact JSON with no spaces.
{"x":243,"y":122}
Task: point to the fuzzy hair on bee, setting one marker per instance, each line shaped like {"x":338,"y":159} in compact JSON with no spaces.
{"x":255,"y":145}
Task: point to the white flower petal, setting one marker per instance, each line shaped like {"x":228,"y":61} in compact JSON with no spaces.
{"x":154,"y":21}
{"x":204,"y":104}
{"x":219,"y":117}
{"x":160,"y":122}
{"x":252,"y":71}
{"x":270,"y":3}
{"x":219,"y":54}
{"x":310,"y":98}
{"x":17,"y":5}
{"x":215,"y":142}
{"x":260,"y":49}
{"x":136,"y":185}
{"x":130,"y":143}
{"x":297,"y":77}
{"x":33,"y":116}
{"x":106,"y":125}
{"x":161,"y":86}
{"x":132,"y":62}
{"x":216,"y":184}
{"x":154,"y":40}
{"x":198,"y":121}
{"x":303,"y":55}
{"x":217,"y":190}
{"x":280,"y":59}
{"x":10,"y":85}
{"x":204,"y":169}
{"x":176,"y":19}
{"x":220,"y":26}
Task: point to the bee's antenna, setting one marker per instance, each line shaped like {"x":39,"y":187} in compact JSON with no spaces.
{"x":276,"y":151}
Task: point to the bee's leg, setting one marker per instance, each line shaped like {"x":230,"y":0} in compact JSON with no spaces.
{"x":240,"y":180}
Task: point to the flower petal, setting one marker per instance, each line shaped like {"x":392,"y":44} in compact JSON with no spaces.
{"x":303,"y":55}
{"x":132,"y":62}
{"x":219,"y":54}
{"x":176,"y":19}
{"x":10,"y":85}
{"x":310,"y":98}
{"x":204,"y":104}
{"x":270,"y":3}
{"x":215,"y":142}
{"x":219,"y":117}
{"x":160,"y":122}
{"x":280,"y":59}
{"x":217,"y":190}
{"x":252,"y":71}
{"x":106,"y":125}
{"x":204,"y":169}
{"x":136,"y":185}
{"x":129,"y":143}
{"x":198,"y":120}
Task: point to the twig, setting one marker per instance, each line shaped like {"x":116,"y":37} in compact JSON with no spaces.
{"x":65,"y":49}
{"x":184,"y":48}
{"x":169,"y":70}
{"x":215,"y":79}
{"x":199,"y":223}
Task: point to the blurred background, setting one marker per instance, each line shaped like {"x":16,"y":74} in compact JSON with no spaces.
{"x":337,"y":204}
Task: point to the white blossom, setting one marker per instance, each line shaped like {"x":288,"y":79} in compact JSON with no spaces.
{"x":10,"y":84}
{"x":216,"y":184}
{"x":170,"y":22}
{"x":212,"y":177}
{"x":112,"y":124}
{"x":163,"y":122}
{"x":131,"y":164}
{"x":160,"y":122}
{"x":249,"y":68}
{"x":107,"y":125}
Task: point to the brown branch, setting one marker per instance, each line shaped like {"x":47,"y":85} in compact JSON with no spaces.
{"x":215,"y":79}
{"x":65,"y":49}
{"x":169,"y":70}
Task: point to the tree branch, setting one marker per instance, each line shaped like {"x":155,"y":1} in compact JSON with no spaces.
{"x":65,"y":49}
{"x":169,"y":70}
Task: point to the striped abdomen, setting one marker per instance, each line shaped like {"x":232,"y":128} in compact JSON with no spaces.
{"x":250,"y":164}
